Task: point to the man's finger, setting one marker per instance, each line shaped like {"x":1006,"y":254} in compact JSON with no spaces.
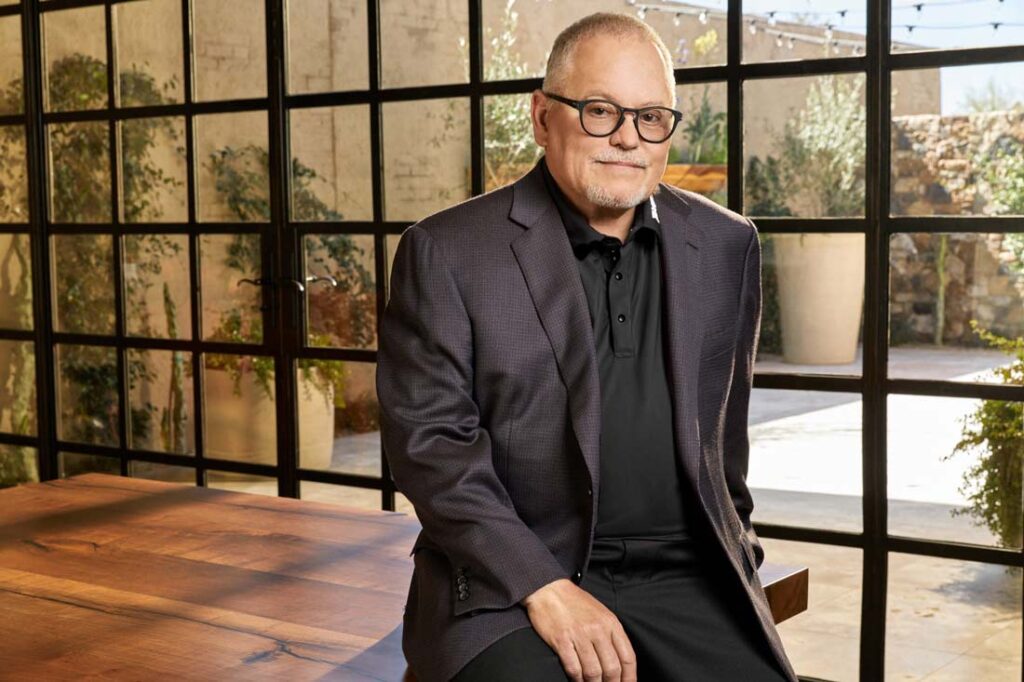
{"x":627,"y":657}
{"x":588,"y":658}
{"x":611,"y":666}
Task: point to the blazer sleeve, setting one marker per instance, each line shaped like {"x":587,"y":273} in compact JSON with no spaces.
{"x":439,"y":454}
{"x":736,"y":447}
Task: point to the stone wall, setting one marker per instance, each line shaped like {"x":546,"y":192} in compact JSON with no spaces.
{"x":936,"y":172}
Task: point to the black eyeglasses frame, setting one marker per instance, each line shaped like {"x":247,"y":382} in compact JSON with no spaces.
{"x":579,"y":105}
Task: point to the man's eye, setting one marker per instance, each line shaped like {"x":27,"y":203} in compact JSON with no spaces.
{"x":652,"y":117}
{"x":598,"y":110}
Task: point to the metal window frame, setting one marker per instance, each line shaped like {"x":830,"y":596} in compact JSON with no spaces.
{"x":281,"y":241}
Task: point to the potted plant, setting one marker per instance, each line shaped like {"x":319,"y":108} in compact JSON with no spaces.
{"x":820,"y":171}
{"x":995,"y":430}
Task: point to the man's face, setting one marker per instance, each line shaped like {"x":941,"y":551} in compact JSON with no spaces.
{"x":621,"y":170}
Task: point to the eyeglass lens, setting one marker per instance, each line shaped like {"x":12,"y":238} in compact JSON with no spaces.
{"x":655,"y":124}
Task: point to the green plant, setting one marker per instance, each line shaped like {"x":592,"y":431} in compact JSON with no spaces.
{"x":706,"y":133}
{"x":820,"y":162}
{"x":996,"y":431}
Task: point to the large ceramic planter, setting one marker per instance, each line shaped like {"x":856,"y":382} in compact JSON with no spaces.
{"x":821,"y":295}
{"x":243,"y":428}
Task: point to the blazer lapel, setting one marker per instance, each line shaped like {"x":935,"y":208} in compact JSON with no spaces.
{"x":549,"y":267}
{"x":682,"y":276}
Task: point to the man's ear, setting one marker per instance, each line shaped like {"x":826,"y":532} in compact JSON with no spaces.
{"x":539,"y":117}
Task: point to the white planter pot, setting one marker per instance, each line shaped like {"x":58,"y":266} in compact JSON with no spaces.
{"x":821,"y":295}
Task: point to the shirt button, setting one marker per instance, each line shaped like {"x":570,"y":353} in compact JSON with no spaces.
{"x":618,"y":275}
{"x":621,"y":318}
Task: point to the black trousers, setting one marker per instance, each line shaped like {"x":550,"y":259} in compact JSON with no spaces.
{"x":681,"y":605}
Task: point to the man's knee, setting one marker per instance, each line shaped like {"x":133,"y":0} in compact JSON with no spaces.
{"x":519,"y":655}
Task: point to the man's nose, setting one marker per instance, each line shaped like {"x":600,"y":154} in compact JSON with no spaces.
{"x":626,"y":136}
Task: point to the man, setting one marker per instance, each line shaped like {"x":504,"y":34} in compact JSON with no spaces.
{"x":564,"y":372}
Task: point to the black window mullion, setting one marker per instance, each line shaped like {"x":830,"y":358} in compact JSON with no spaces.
{"x":875,"y":347}
{"x":35,"y":149}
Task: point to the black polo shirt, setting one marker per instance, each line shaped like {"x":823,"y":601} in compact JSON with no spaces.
{"x":640,"y":493}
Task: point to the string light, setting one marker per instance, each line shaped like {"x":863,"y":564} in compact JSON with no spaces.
{"x":675,"y":19}
{"x":703,"y":18}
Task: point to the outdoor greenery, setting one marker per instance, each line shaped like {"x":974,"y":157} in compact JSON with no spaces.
{"x":995,"y":431}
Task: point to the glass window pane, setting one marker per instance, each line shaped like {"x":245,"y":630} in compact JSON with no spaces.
{"x":83,"y":295}
{"x":239,"y":417}
{"x":72,"y":464}
{"x":698,"y":158}
{"x":518,"y":34}
{"x":18,"y":387}
{"x":339,"y":425}
{"x":956,"y":305}
{"x":13,"y":177}
{"x":242,"y":483}
{"x":509,"y":149}
{"x":957,"y":140}
{"x":331,"y":177}
{"x":150,"y":57}
{"x":230,"y":46}
{"x":775,"y":30}
{"x":327,"y":46}
{"x":945,"y":25}
{"x":153,"y":168}
{"x":87,"y":404}
{"x":423,"y":43}
{"x":79,"y":172}
{"x":16,"y":281}
{"x":18,"y":464}
{"x":160,"y":390}
{"x":231,"y":307}
{"x":342,"y":313}
{"x":167,"y":473}
{"x":812,"y":288}
{"x":426,"y":156}
{"x":952,"y":620}
{"x":232,"y":179}
{"x":11,"y":87}
{"x":955,"y":469}
{"x":805,"y":458}
{"x":75,"y":54}
{"x":804,"y":146}
{"x":157,"y":286}
{"x":822,"y":642}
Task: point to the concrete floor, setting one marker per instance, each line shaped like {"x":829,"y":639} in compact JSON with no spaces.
{"x":946,"y":620}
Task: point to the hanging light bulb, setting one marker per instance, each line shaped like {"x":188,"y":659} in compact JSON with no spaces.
{"x":790,"y":43}
{"x":675,"y":19}
{"x":842,"y":13}
{"x":919,"y":6}
{"x":703,"y":17}
{"x":771,"y":19}
{"x":828,"y":32}
{"x":778,"y":40}
{"x":753,"y":27}
{"x":835,"y":47}
{"x":642,"y":13}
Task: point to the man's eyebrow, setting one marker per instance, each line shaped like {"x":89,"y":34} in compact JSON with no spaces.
{"x":605,"y":95}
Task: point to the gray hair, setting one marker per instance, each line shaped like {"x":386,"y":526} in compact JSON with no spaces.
{"x":607,"y":24}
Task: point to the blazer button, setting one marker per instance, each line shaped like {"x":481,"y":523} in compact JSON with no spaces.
{"x":577,"y":577}
{"x":590,"y":492}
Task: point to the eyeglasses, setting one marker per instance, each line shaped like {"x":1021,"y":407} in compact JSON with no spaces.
{"x":601,"y":118}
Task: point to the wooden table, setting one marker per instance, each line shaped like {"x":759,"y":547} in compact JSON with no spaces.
{"x":128,"y":578}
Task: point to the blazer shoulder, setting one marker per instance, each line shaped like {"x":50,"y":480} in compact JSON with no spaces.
{"x":720,"y":220}
{"x":468,"y":217}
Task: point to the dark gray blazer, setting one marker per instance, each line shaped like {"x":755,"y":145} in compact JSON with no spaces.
{"x":490,"y":412}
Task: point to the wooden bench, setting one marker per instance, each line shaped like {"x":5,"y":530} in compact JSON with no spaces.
{"x":117,"y":577}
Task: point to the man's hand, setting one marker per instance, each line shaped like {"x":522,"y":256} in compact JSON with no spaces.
{"x":587,"y":637}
